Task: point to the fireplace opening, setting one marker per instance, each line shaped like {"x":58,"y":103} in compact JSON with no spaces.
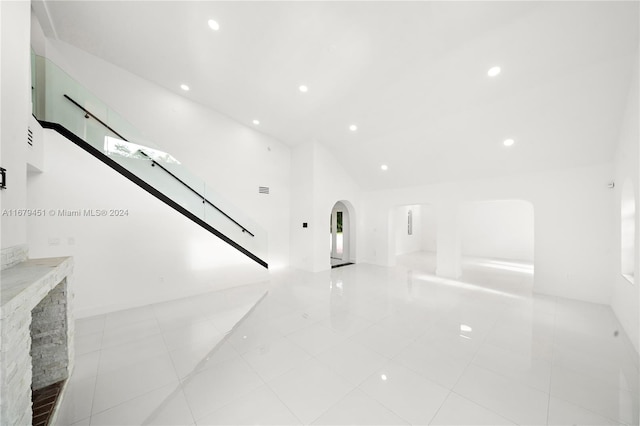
{"x":44,"y":402}
{"x":49,"y":352}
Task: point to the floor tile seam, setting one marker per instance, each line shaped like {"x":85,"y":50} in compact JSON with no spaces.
{"x":512,"y":380}
{"x":585,"y":407}
{"x":133,"y":340}
{"x":197,"y":369}
{"x":193,"y":417}
{"x":130,"y":364}
{"x":92,"y":317}
{"x":453,"y":389}
{"x":197,"y":344}
{"x":175,"y":379}
{"x":173,"y":326}
{"x":81,"y":420}
{"x":158,"y":305}
{"x":115,"y":370}
{"x":225,"y":340}
{"x":240,"y":321}
{"x":128,"y":323}
{"x":466,"y":367}
{"x":356,"y":317}
{"x":203,"y":320}
{"x":241,"y":395}
{"x":173,"y":362}
{"x":95,"y":383}
{"x":156,"y":356}
{"x":298,"y":329}
{"x":145,"y":393}
{"x":324,"y":364}
{"x":341,"y":336}
{"x":515,"y":422}
{"x":184,"y":383}
{"x":602,"y":382}
{"x":386,"y":361}
{"x":268,"y":386}
{"x":514,"y":353}
{"x":384,"y":405}
{"x":168,"y":398}
{"x":118,"y":347}
{"x":267,"y":381}
{"x":99,"y":346}
{"x":349,"y":393}
{"x":439,"y":408}
{"x":84,"y":335}
{"x":389,"y":358}
{"x":589,"y":410}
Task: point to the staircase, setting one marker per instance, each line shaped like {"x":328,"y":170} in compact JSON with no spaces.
{"x":63,"y":105}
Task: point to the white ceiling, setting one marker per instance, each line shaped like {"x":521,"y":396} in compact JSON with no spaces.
{"x":411,"y":75}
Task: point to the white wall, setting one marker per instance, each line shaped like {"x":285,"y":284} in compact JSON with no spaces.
{"x":151,"y":255}
{"x":498,"y":229}
{"x":625,"y":298}
{"x":232,"y":158}
{"x":406,"y":243}
{"x":15,"y":109}
{"x":302,"y":209}
{"x":573,"y":224}
{"x":318,"y":182}
{"x":429,"y":228}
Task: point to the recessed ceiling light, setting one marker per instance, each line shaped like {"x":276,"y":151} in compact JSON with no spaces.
{"x":256,"y":122}
{"x":383,"y":377}
{"x":184,"y":87}
{"x":303,"y":88}
{"x":493,"y":71}
{"x":384,"y":167}
{"x":353,"y":127}
{"x":213,"y":25}
{"x":508,"y":142}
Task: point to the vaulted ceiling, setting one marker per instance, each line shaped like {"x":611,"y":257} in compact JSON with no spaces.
{"x":411,"y":75}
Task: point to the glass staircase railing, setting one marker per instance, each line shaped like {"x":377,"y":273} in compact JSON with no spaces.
{"x":61,"y":103}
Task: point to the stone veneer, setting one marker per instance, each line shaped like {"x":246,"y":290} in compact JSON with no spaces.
{"x":49,"y":354}
{"x":23,"y":286}
{"x":13,"y":255}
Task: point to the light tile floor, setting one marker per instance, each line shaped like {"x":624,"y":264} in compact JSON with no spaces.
{"x":360,"y":345}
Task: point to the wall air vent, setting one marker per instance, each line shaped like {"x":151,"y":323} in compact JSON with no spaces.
{"x":29,"y":136}
{"x":263,"y":190}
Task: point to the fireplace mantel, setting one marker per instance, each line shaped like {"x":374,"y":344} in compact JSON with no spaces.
{"x":24,"y":287}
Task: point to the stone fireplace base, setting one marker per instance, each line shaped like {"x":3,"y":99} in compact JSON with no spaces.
{"x":36,"y":332}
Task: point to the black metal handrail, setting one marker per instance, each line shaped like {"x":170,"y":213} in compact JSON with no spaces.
{"x":154,"y":163}
{"x":90,"y":114}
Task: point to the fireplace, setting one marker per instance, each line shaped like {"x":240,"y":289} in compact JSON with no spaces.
{"x":36,"y":337}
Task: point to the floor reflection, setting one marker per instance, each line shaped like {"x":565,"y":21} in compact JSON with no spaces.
{"x":361,"y":345}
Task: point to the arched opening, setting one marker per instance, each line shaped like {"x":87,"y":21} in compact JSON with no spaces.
{"x":342,"y":234}
{"x":628,"y":231}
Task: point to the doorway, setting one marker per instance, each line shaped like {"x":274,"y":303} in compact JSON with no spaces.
{"x":340,"y":235}
{"x":415,"y":237}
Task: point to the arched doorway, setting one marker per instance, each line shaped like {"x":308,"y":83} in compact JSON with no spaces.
{"x":342,"y":234}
